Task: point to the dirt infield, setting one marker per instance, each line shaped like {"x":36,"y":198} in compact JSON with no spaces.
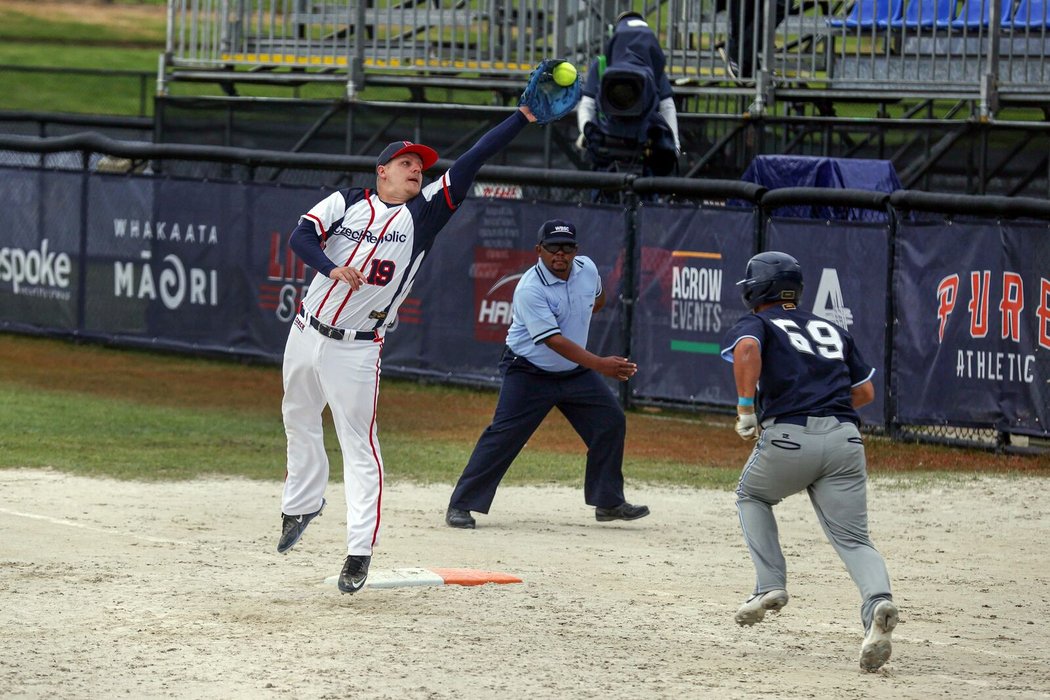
{"x":174,"y":590}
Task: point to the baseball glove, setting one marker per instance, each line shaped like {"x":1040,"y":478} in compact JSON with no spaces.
{"x":547,"y":100}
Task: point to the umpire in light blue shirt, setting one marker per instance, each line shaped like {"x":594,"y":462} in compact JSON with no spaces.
{"x":546,"y":365}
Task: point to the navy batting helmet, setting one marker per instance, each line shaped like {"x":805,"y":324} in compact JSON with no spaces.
{"x":770,"y":277}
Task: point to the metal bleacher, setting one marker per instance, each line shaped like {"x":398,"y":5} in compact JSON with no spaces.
{"x":954,"y":92}
{"x":990,"y":51}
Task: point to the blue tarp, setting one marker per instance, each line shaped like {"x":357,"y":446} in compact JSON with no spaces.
{"x":774,"y":172}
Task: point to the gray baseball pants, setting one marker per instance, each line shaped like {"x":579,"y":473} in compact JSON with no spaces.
{"x":826,"y":458}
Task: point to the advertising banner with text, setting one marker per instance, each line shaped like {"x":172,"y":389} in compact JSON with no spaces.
{"x":845,"y":269}
{"x":972,"y":345}
{"x":164,"y":262}
{"x":40,"y":249}
{"x":689,"y":262}
{"x":194,"y":265}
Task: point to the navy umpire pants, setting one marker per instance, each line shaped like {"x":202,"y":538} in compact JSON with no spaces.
{"x":526,"y":396}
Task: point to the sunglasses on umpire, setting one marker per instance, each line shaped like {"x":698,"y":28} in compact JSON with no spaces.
{"x":566,"y":248}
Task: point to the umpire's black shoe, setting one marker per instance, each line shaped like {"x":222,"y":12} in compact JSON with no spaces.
{"x":293,"y":527}
{"x":624,"y":511}
{"x":462,"y":519}
{"x":355,"y":572}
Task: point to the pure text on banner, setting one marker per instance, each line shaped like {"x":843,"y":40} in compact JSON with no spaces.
{"x":973,"y":318}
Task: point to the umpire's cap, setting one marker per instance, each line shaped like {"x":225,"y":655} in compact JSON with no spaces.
{"x":556,"y":231}
{"x":397,"y":148}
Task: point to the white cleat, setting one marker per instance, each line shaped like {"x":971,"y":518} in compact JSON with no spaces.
{"x":756,"y":606}
{"x":876,"y":649}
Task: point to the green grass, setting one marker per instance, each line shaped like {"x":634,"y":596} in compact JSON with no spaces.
{"x":130,"y":414}
{"x":69,"y":28}
{"x":98,"y":57}
{"x":125,"y":439}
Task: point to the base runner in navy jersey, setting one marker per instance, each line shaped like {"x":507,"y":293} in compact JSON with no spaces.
{"x":367,"y":246}
{"x":800,"y":380}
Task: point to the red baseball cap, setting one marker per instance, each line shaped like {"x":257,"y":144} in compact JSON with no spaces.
{"x":397,"y":148}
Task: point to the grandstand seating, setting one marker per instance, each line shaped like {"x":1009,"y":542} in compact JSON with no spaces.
{"x":940,"y":14}
{"x":897,"y":47}
{"x":870,"y":14}
{"x":1029,"y":13}
{"x":924,"y":14}
{"x":974,"y":14}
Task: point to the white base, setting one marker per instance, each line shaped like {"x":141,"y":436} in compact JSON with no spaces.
{"x":397,"y":578}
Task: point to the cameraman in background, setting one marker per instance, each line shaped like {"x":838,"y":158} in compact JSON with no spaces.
{"x":627,"y":114}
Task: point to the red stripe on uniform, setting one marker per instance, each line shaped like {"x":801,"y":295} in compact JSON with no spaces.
{"x":372,"y":443}
{"x":379,"y":240}
{"x":318,"y":224}
{"x":371,"y":218}
{"x":448,"y":193}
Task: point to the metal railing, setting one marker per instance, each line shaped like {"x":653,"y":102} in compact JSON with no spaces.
{"x":493,"y":39}
{"x":985,"y":50}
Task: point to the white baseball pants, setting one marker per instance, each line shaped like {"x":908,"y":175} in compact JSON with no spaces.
{"x":344,"y":374}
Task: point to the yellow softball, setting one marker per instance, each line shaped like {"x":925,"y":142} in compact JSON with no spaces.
{"x":564,"y":74}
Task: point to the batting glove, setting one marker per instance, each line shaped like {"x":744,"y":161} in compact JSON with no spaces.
{"x":747,"y":426}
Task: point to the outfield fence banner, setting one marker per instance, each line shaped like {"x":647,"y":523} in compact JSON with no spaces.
{"x":688,"y":262}
{"x":972,"y":345}
{"x":165,"y":261}
{"x":40,"y":248}
{"x":846,"y":273}
{"x":205,"y":266}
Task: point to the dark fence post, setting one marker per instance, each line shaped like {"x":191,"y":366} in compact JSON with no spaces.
{"x":82,"y":262}
{"x":759,"y":238}
{"x":630,"y":279}
{"x":889,"y":400}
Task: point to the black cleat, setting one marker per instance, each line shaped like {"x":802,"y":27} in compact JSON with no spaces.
{"x":624,"y":511}
{"x":293,"y":527}
{"x":354,"y":574}
{"x":462,"y":519}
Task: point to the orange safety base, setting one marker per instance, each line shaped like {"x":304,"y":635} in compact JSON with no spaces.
{"x":474,"y":577}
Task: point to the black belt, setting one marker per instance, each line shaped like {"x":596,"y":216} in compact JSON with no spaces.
{"x":801,"y":420}
{"x":337,"y":333}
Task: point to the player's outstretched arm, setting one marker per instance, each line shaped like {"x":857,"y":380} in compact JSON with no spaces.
{"x":462,"y":173}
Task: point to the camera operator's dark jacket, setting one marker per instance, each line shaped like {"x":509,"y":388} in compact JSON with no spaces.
{"x":629,"y":88}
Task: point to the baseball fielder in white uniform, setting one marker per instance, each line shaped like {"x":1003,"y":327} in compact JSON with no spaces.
{"x":367,"y":246}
